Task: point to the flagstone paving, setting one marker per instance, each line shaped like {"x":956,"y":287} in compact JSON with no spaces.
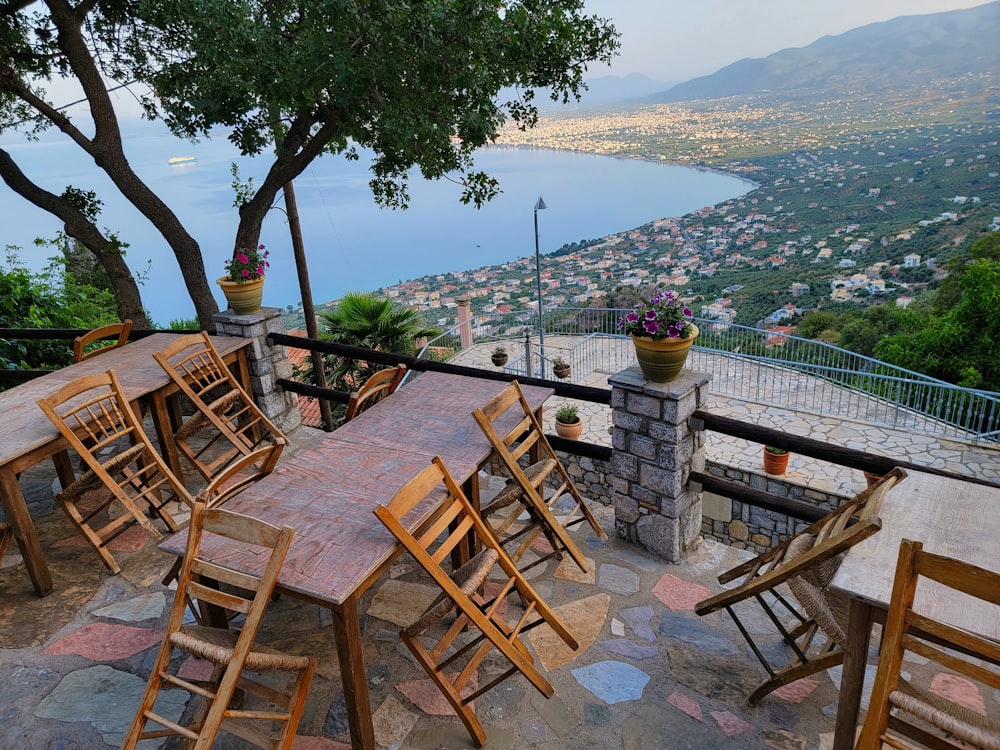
{"x":648,"y":674}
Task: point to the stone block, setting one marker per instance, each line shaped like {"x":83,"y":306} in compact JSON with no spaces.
{"x":663,"y":481}
{"x":618,"y":398}
{"x":626,"y":509}
{"x":716,"y":507}
{"x":643,"y":447}
{"x":644,"y":495}
{"x":677,"y":456}
{"x":619,"y":485}
{"x":739,"y":531}
{"x":664,"y":433}
{"x":647,"y":406}
{"x":676,"y":506}
{"x":625,"y":466}
{"x":622,"y":420}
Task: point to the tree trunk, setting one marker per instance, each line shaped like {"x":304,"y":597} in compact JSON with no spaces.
{"x":126,"y":291}
{"x":107,"y":152}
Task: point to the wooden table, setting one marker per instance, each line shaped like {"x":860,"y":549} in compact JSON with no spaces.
{"x":953,"y":518}
{"x":27,"y":436}
{"x":329,"y":491}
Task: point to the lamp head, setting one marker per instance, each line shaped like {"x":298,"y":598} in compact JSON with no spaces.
{"x":540,"y":204}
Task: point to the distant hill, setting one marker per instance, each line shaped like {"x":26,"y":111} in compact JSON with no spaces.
{"x":603,"y":91}
{"x":892,"y":54}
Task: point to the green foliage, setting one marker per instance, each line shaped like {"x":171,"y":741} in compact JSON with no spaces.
{"x":372,"y":322}
{"x":567,"y":414}
{"x":51,"y":299}
{"x":183,"y":324}
{"x":961,"y":343}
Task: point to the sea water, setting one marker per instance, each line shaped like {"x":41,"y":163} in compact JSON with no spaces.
{"x":351,"y":243}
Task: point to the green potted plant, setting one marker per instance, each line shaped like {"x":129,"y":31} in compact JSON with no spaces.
{"x":775,"y":460}
{"x":568,"y":422}
{"x":560,"y":368}
{"x":499,"y":356}
{"x":243,"y":283}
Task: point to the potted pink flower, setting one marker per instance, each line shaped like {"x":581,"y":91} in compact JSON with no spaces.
{"x":243,"y":283}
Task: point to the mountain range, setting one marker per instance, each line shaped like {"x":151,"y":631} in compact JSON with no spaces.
{"x":904,"y":51}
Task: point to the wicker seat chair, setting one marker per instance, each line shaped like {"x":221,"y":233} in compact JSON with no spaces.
{"x":234,"y":654}
{"x":900,"y":707}
{"x":118,"y":331}
{"x":514,"y":431}
{"x":807,"y":563}
{"x":227,"y":423}
{"x":439,"y":639}
{"x":383,"y":383}
{"x":94,"y":416}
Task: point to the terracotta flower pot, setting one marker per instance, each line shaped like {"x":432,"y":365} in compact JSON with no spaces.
{"x":775,"y":463}
{"x":662,"y":361}
{"x":499,"y":359}
{"x":569,"y":430}
{"x":561,"y":372}
{"x":242,"y":298}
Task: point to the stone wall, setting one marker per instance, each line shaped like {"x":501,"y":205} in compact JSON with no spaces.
{"x":749,"y":527}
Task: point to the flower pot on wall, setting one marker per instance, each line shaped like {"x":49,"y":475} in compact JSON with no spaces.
{"x":561,"y":372}
{"x":775,"y":463}
{"x":243,"y":298}
{"x":662,"y":361}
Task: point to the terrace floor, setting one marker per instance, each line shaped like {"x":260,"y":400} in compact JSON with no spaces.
{"x":649,"y":674}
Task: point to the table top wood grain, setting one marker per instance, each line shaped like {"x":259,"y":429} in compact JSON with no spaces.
{"x":952,"y":518}
{"x":25,"y":428}
{"x":329,"y":490}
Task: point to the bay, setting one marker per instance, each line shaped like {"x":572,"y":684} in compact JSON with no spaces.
{"x":351,"y":243}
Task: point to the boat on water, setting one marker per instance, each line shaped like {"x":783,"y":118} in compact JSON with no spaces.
{"x":180,"y":160}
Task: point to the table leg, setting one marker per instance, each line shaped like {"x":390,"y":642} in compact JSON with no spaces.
{"x":163,"y":424}
{"x":347,"y":634}
{"x":24,"y":531}
{"x":859,"y":628}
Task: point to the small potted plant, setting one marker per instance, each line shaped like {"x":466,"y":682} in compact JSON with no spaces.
{"x":560,"y":368}
{"x":499,"y":356}
{"x":568,"y":422}
{"x":243,"y":283}
{"x":775,"y":460}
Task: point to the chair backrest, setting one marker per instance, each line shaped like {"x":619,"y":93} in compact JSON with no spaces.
{"x":376,"y":388}
{"x":237,"y":476}
{"x":246,"y":593}
{"x":93,"y":414}
{"x":822,"y":545}
{"x":95,"y":418}
{"x":198,"y":370}
{"x":945,"y":646}
{"x":118,"y":331}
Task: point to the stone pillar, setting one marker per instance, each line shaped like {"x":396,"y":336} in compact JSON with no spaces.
{"x":266,"y":363}
{"x":653,"y":453}
{"x":464,"y":323}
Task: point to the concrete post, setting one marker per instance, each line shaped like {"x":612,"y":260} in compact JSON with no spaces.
{"x":464,"y":323}
{"x":267,"y":363}
{"x":653,"y":453}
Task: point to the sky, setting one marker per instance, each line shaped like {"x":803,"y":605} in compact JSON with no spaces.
{"x":677,"y":40}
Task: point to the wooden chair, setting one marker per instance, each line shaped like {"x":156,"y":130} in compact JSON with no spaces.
{"x":233,"y":653}
{"x":227,"y":423}
{"x":94,"y":416}
{"x":5,"y":536}
{"x":383,"y":383}
{"x":806,"y":562}
{"x":119,"y":331}
{"x":229,"y":482}
{"x":899,"y":706}
{"x":452,"y":657}
{"x":514,"y":431}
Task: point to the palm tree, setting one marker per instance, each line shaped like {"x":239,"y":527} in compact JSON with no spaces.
{"x":373,"y":322}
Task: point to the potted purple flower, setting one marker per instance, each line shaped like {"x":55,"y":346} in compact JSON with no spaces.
{"x":662,"y":330}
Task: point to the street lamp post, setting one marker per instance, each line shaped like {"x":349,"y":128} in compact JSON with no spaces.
{"x":539,"y":206}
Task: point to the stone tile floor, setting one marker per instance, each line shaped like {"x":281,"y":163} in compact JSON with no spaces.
{"x":649,"y":673}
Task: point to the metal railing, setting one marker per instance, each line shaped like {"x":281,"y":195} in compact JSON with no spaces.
{"x":750,"y":364}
